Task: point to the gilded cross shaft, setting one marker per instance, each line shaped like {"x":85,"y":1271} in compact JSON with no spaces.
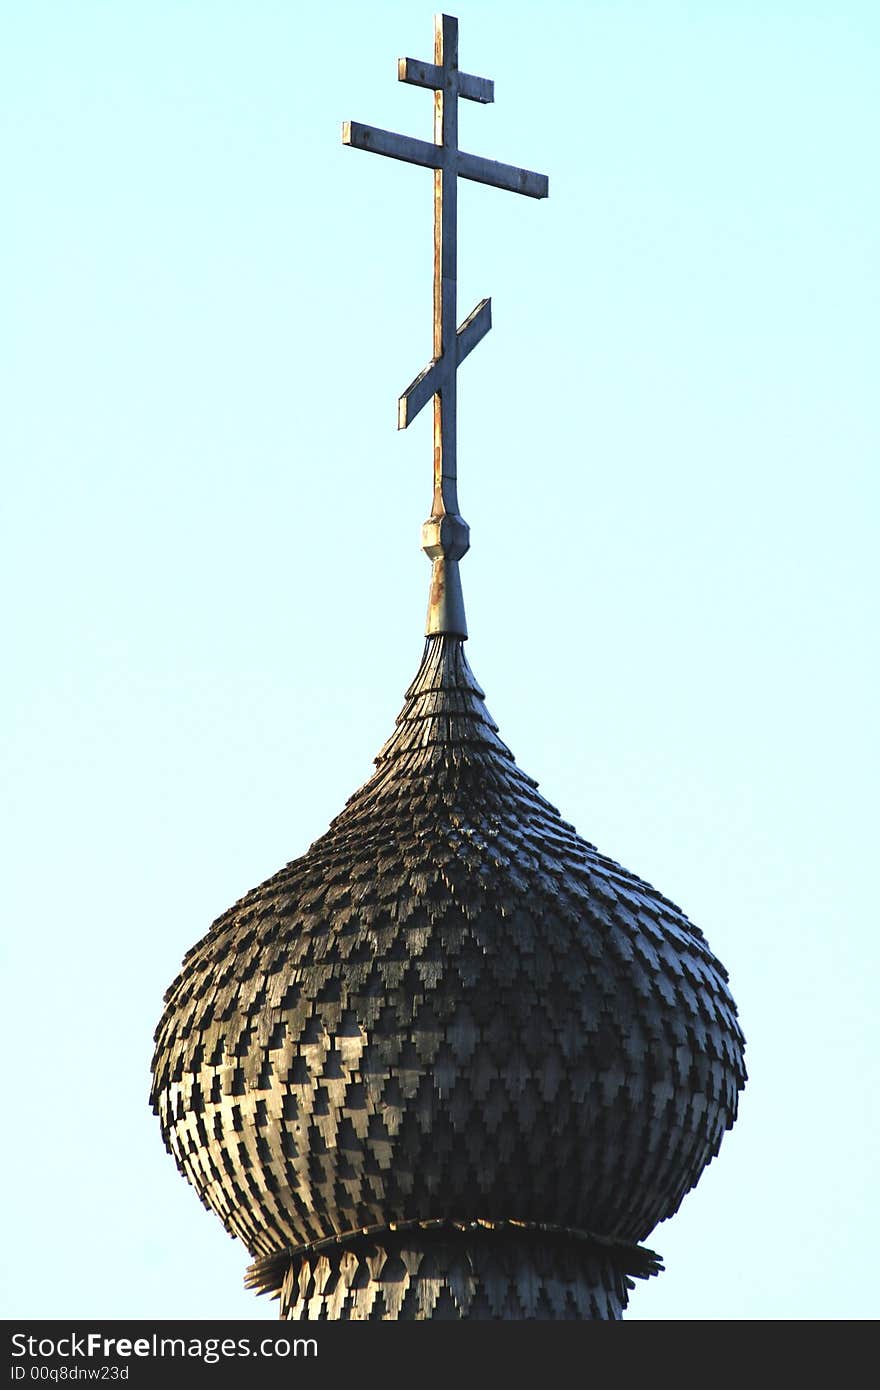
{"x":445,"y":535}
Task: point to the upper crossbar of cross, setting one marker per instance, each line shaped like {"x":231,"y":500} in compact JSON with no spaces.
{"x":445,"y":535}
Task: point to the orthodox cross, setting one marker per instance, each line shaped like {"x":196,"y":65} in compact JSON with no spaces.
{"x":445,"y":535}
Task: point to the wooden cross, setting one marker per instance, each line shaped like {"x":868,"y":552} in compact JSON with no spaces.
{"x":445,"y":536}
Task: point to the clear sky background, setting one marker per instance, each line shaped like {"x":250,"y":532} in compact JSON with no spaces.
{"x":215,"y":592}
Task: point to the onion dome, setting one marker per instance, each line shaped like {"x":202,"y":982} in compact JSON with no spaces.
{"x":452,"y":1055}
{"x":452,"y":1062}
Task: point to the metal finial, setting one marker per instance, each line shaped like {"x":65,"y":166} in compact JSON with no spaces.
{"x":445,"y":535}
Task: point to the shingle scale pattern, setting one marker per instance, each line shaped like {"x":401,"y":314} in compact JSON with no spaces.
{"x":451,"y":1007}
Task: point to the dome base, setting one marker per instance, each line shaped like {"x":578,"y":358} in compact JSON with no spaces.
{"x":448,"y":1270}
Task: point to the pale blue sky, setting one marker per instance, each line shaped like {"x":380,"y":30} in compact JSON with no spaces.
{"x":215,"y":593}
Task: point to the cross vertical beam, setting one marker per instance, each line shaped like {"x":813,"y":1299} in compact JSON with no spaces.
{"x":446,"y":266}
{"x":445,"y":535}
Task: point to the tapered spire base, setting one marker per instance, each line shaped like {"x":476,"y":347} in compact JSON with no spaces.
{"x":445,"y":600}
{"x":445,"y":541}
